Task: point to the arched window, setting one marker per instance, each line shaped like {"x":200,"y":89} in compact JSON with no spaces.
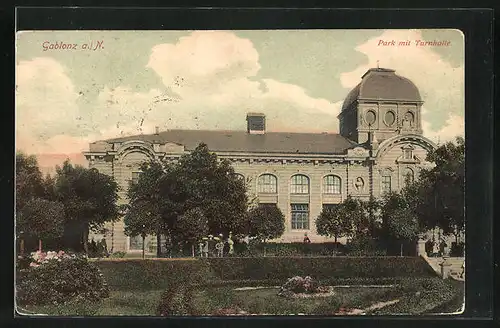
{"x":267,"y":184}
{"x":408,"y":177}
{"x":331,"y":184}
{"x":299,"y":184}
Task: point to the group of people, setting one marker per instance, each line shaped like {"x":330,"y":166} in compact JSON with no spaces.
{"x":218,"y":243}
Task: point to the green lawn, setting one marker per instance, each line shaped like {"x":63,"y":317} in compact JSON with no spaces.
{"x":134,"y":303}
{"x":419,"y":296}
{"x":266,"y":301}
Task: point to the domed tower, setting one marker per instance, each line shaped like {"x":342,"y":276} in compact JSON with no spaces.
{"x":383,"y":103}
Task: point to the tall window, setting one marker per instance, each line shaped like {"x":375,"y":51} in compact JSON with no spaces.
{"x":386,"y":184}
{"x":300,"y":184}
{"x":267,"y":183}
{"x":331,"y":184}
{"x":135,"y":177}
{"x":329,"y":207}
{"x":408,"y":176}
{"x":300,"y":216}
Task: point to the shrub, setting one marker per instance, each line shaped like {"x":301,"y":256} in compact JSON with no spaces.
{"x":148,"y":274}
{"x":365,"y":246}
{"x":457,"y":250}
{"x":138,"y":274}
{"x":265,"y":268}
{"x":117,"y":255}
{"x":290,"y":249}
{"x":59,"y":281}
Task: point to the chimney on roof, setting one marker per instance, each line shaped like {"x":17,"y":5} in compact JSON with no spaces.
{"x":256,"y":123}
{"x":157,"y":130}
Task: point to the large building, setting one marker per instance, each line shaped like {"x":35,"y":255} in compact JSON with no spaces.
{"x":379,"y":148}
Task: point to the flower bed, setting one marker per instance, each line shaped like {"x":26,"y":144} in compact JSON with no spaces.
{"x":58,"y":278}
{"x":300,"y":287}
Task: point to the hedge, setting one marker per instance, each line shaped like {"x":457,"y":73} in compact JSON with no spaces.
{"x":263,"y":268}
{"x":159,"y":274}
{"x":138,"y":274}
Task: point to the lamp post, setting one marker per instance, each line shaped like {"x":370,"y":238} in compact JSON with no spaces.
{"x":21,"y":243}
{"x":143,"y":238}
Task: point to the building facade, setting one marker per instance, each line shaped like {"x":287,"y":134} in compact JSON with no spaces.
{"x":379,"y":148}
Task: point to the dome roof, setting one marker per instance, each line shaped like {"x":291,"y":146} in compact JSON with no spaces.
{"x":383,"y":84}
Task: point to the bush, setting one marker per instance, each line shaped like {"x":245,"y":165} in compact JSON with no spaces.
{"x":290,"y":249}
{"x":117,"y":255}
{"x":149,"y":274}
{"x":365,"y":246}
{"x":60,"y":281}
{"x":265,"y":268}
{"x":138,"y":274}
{"x":457,"y":250}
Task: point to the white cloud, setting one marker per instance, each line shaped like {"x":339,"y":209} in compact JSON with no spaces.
{"x":204,"y":61}
{"x":45,"y":98}
{"x":454,"y":127}
{"x":441,"y":85}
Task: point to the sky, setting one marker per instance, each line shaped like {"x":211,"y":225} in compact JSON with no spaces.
{"x":106,"y":84}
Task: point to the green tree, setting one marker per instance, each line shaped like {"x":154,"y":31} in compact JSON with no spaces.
{"x":442,"y":188}
{"x":144,"y":210}
{"x":89,"y":198}
{"x":37,"y":212}
{"x":359,"y":217}
{"x":265,"y":222}
{"x":334,"y":222}
{"x":41,"y":219}
{"x":29,"y":180}
{"x":400,"y":221}
{"x":190,"y":228}
{"x":200,"y":180}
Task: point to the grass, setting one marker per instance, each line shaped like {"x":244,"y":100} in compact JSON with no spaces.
{"x":133,"y":303}
{"x":266,"y":301}
{"x":418,"y":296}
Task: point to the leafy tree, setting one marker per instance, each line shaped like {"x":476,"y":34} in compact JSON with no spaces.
{"x":265,"y":221}
{"x":191,"y":227}
{"x":29,"y":180}
{"x":37,"y":213}
{"x":400,"y":221}
{"x":200,"y":180}
{"x":41,"y":219}
{"x":89,"y":198}
{"x":442,"y":188}
{"x":144,"y":210}
{"x":334,"y":222}
{"x":359,"y":217}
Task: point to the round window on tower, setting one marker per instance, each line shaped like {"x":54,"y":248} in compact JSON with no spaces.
{"x":390,"y":118}
{"x":370,"y":117}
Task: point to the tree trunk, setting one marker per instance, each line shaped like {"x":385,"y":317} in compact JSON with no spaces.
{"x":21,"y":247}
{"x":401,"y":252}
{"x":192,"y":250}
{"x":158,"y":244}
{"x":86,"y":238}
{"x":143,"y":247}
{"x":40,"y":245}
{"x":336,"y":247}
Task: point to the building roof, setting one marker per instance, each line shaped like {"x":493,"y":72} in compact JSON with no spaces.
{"x":241,"y":141}
{"x":383,"y":84}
